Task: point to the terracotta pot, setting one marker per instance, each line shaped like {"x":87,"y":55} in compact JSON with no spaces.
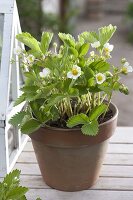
{"x":69,"y":160}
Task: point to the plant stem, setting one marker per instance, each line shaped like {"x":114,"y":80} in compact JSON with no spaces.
{"x":99,"y":98}
{"x":109,"y":100}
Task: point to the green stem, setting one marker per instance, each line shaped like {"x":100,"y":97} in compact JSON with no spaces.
{"x":109,"y":101}
{"x":99,"y":98}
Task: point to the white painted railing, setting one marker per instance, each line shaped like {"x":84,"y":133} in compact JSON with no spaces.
{"x":11,"y":140}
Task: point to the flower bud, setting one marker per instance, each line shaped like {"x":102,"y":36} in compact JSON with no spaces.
{"x":5,"y":185}
{"x":123,"y":60}
{"x":124,"y":71}
{"x":123,"y":89}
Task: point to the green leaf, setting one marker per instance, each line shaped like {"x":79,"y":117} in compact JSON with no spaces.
{"x":88,"y":72}
{"x":36,"y":54}
{"x":82,"y":89}
{"x":91,"y":82}
{"x":94,"y":89}
{"x":23,"y":198}
{"x":16,"y":193}
{"x":45,"y":41}
{"x":97,"y":111}
{"x":73,"y":51}
{"x":17,"y":118}
{"x":105,"y":87}
{"x":29,"y":41}
{"x":90,"y":129}
{"x":116,"y":86}
{"x":102,"y":66}
{"x":81,"y":62}
{"x":38,"y":113}
{"x":105,"y":33}
{"x":47,"y":90}
{"x":10,"y":189}
{"x":30,"y":126}
{"x":55,"y":113}
{"x":31,"y":75}
{"x":84,"y":49}
{"x":96,"y":64}
{"x":67,"y":39}
{"x":19,"y":100}
{"x":36,"y":110}
{"x":90,"y":37}
{"x":77,"y":119}
{"x":73,"y":92}
{"x":30,"y":89}
{"x":53,"y":100}
{"x":12,"y":178}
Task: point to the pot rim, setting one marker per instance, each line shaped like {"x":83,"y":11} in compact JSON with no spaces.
{"x":115,"y":114}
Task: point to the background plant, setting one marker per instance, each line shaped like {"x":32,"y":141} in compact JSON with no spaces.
{"x":68,"y":88}
{"x":10,"y":188}
{"x":129,"y":21}
{"x":33,"y":19}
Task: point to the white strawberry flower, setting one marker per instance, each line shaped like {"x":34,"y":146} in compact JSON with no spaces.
{"x":108,"y":48}
{"x":92,"y":53}
{"x":127,"y":67}
{"x":74,"y":73}
{"x":100,"y":78}
{"x":95,"y":44}
{"x":17,"y":51}
{"x":30,"y":59}
{"x":45,"y":72}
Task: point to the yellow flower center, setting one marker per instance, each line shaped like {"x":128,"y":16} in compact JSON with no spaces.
{"x":99,"y":78}
{"x":74,"y":71}
{"x":106,"y":50}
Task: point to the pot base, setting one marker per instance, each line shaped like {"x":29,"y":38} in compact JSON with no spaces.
{"x":70,"y":169}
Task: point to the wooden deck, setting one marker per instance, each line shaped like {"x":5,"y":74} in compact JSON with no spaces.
{"x":115,"y":182}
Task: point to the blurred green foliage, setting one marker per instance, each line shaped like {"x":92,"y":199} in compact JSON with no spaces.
{"x":130,"y":10}
{"x":31,"y":16}
{"x":129,"y":16}
{"x":34,"y":20}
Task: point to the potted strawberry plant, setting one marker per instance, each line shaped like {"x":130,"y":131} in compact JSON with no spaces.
{"x":68,"y":112}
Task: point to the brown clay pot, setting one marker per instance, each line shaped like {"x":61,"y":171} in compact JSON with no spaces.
{"x":69,"y":160}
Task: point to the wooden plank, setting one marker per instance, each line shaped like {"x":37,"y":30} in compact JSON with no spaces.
{"x":107,"y":170}
{"x":27,"y":157}
{"x":122,"y":135}
{"x":120,"y":148}
{"x":51,"y":194}
{"x":104,"y":183}
{"x":28,"y":147}
{"x":119,"y":159}
{"x":112,"y":148}
{"x":113,"y":159}
{"x":117,"y":171}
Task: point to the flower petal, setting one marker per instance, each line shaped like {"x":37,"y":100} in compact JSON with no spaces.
{"x":17,"y":50}
{"x":129,"y":68}
{"x":69,"y":75}
{"x":109,"y":46}
{"x":41,"y":74}
{"x":126,"y":64}
{"x":96,"y":44}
